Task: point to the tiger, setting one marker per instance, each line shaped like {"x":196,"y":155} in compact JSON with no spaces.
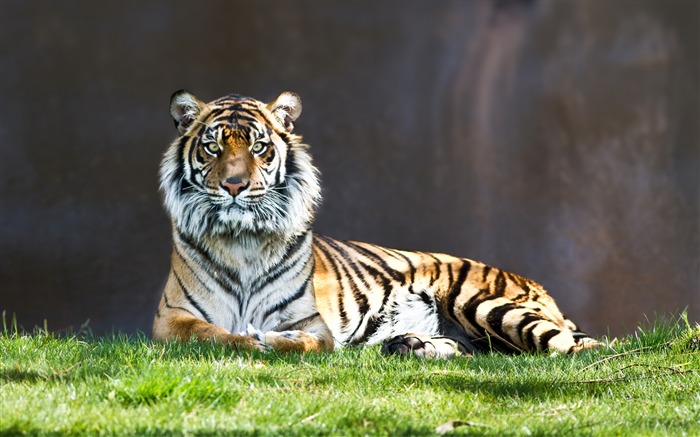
{"x":247,"y":270}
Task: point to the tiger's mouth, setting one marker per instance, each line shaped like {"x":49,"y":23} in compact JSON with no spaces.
{"x":239,"y":205}
{"x":242,"y":205}
{"x":231,"y":206}
{"x":229,"y":202}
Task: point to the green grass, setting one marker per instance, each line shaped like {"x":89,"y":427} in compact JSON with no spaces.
{"x":646,"y":384}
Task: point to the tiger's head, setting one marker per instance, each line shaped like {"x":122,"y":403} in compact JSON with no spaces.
{"x":237,"y":168}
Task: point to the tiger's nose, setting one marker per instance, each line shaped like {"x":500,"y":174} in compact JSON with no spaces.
{"x":234,"y":185}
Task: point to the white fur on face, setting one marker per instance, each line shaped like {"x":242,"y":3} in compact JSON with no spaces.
{"x":287,"y":208}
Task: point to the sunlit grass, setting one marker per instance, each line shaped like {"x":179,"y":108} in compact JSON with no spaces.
{"x":645,"y":384}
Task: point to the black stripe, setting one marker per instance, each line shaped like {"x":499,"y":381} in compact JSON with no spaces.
{"x":185,"y":185}
{"x":456,"y":288}
{"x":298,"y":323}
{"x":529,"y":333}
{"x":526,"y":336}
{"x":348,"y":258}
{"x":290,"y":164}
{"x":178,"y":174}
{"x":427,"y":299}
{"x":495,"y":320}
{"x":522,"y":282}
{"x":370,"y":329}
{"x":286,"y":136}
{"x":246,"y":116}
{"x":296,"y":295}
{"x":231,"y":275}
{"x":330,"y":262}
{"x":437,"y":267}
{"x":485,"y":273}
{"x":545,"y":337}
{"x":205,"y":172}
{"x":500,"y":285}
{"x":394,"y":274}
{"x":522,"y":297}
{"x":360,"y":298}
{"x":270,"y":156}
{"x":201,"y":157}
{"x":226,"y":286}
{"x":230,"y":99}
{"x":200,"y":132}
{"x":191,"y":299}
{"x":234,"y":116}
{"x":384,"y":281}
{"x":232,"y":109}
{"x":411,"y":267}
{"x":285,"y":264}
{"x":167,"y":305}
{"x":193,"y":150}
{"x":389,"y":252}
{"x":182,"y":258}
{"x":470,"y":307}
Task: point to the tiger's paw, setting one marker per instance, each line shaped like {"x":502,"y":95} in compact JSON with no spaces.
{"x":256,"y":339}
{"x":424,"y":347}
{"x":586,"y":344}
{"x":244,"y":341}
{"x":286,"y":341}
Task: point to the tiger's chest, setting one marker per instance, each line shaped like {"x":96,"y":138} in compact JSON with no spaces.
{"x":245,"y":286}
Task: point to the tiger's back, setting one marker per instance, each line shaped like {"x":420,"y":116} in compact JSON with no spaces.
{"x":368,"y":294}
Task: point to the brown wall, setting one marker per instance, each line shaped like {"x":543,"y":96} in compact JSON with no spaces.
{"x":555,"y":139}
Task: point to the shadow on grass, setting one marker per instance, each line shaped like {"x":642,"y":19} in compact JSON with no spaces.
{"x":17,"y":375}
{"x":531,"y":389}
{"x":17,"y":429}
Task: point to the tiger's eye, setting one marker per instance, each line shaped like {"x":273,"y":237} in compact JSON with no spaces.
{"x":258,"y":148}
{"x":212,"y":148}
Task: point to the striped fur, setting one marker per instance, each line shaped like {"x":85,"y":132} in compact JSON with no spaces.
{"x":246,"y":269}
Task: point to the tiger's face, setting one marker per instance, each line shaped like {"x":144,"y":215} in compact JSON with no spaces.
{"x":237,"y":161}
{"x":237,"y":168}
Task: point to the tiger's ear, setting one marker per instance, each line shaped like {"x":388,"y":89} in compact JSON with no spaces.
{"x":184,"y":108}
{"x":287,"y":108}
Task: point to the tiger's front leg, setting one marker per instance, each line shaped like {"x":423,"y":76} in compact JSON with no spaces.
{"x":313,"y":336}
{"x":184,"y":327}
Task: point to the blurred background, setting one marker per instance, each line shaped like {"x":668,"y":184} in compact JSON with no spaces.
{"x":556,"y":139}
